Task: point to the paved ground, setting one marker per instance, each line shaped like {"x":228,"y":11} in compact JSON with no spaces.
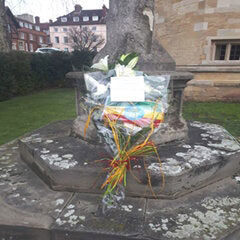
{"x":30,"y":210}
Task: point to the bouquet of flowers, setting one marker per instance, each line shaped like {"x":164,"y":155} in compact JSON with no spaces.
{"x":126,"y":125}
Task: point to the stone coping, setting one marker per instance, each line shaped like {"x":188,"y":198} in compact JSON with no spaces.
{"x":66,"y":163}
{"x":212,"y":83}
{"x":174,"y":75}
{"x":210,"y":68}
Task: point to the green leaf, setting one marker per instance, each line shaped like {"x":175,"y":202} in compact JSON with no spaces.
{"x":129,"y":58}
{"x":133,"y":62}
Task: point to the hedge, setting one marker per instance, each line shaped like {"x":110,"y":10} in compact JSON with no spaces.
{"x":22,"y":73}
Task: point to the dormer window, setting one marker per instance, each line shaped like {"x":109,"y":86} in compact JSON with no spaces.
{"x":95,"y":18}
{"x":37,"y":28}
{"x":76,"y":19}
{"x":63,"y":19}
{"x":21,"y":24}
{"x":86,"y":18}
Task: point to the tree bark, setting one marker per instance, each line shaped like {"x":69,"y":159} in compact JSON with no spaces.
{"x":4,"y":41}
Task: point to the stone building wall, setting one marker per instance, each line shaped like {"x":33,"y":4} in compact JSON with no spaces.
{"x":192,"y":32}
{"x":188,"y":28}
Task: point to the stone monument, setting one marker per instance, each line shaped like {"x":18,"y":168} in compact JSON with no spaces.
{"x":130,"y":28}
{"x":195,"y":156}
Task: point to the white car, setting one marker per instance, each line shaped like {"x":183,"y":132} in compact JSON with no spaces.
{"x":47,"y":50}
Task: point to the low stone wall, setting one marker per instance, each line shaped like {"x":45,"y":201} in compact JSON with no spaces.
{"x":210,"y":91}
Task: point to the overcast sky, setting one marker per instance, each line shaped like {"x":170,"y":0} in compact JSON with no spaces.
{"x":51,"y":9}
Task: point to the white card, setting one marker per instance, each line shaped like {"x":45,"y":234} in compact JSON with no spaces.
{"x":127,"y":89}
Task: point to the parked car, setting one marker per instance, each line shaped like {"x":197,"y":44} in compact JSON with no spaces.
{"x":47,"y":50}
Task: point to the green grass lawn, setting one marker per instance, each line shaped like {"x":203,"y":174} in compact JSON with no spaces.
{"x":24,"y":114}
{"x":224,"y":114}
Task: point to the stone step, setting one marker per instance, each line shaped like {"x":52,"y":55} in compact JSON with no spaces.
{"x":66,"y":163}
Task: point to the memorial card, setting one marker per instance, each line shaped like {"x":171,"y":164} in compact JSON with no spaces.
{"x":127,"y":89}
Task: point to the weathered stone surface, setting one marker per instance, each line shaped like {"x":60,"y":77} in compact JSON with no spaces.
{"x":130,"y":27}
{"x":30,"y":210}
{"x":64,"y":162}
{"x":209,"y":91}
{"x":25,"y":201}
{"x":83,"y":216}
{"x":211,"y":213}
{"x":67,"y":163}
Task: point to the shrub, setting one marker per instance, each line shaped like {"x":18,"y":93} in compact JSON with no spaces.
{"x":22,"y":72}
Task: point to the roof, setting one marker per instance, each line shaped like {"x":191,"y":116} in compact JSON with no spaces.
{"x":24,"y":20}
{"x":10,"y":14}
{"x":101,"y":13}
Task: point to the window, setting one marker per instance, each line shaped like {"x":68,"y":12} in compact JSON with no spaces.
{"x":228,"y":50}
{"x":37,"y":28}
{"x":76,"y":19}
{"x":85,"y":18}
{"x":26,"y":47}
{"x":65,"y":39}
{"x":26,"y":25}
{"x":21,"y":24}
{"x":30,"y":37}
{"x":14,"y":46}
{"x":21,"y":45}
{"x":56,"y":39}
{"x":31,"y":47}
{"x":235,"y":52}
{"x":63,"y":19}
{"x":21,"y":35}
{"x":95,"y":18}
{"x":55,"y":29}
{"x":41,"y":39}
{"x":94,"y":28}
{"x":9,"y":28}
{"x":65,"y":29}
{"x":46,"y":31}
{"x":85,"y":28}
{"x":220,"y":51}
{"x":30,"y":26}
{"x":66,"y":50}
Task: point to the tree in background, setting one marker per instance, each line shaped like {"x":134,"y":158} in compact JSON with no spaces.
{"x":84,"y":40}
{"x":4,"y":41}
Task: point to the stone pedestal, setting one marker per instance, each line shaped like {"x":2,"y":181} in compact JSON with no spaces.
{"x":174,"y":127}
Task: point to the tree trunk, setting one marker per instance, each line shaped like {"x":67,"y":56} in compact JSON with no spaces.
{"x":4,"y":41}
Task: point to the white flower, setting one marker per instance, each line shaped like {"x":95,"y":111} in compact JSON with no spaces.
{"x":124,"y":71}
{"x":102,"y":64}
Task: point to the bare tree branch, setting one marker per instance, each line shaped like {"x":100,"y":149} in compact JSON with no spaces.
{"x":84,"y":39}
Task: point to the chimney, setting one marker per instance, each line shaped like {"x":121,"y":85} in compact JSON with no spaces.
{"x":105,"y":10}
{"x":78,"y":8}
{"x":50,"y":21}
{"x":37,"y":20}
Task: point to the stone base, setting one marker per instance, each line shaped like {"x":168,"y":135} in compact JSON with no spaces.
{"x":66,"y":163}
{"x":212,"y":91}
{"x":30,"y":210}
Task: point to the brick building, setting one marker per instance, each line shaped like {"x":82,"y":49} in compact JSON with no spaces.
{"x":203,"y":36}
{"x":44,"y":27}
{"x":29,"y":36}
{"x":93,"y":20}
{"x":12,"y":26}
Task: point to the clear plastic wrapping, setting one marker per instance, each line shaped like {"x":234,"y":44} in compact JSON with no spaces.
{"x":130,"y":117}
